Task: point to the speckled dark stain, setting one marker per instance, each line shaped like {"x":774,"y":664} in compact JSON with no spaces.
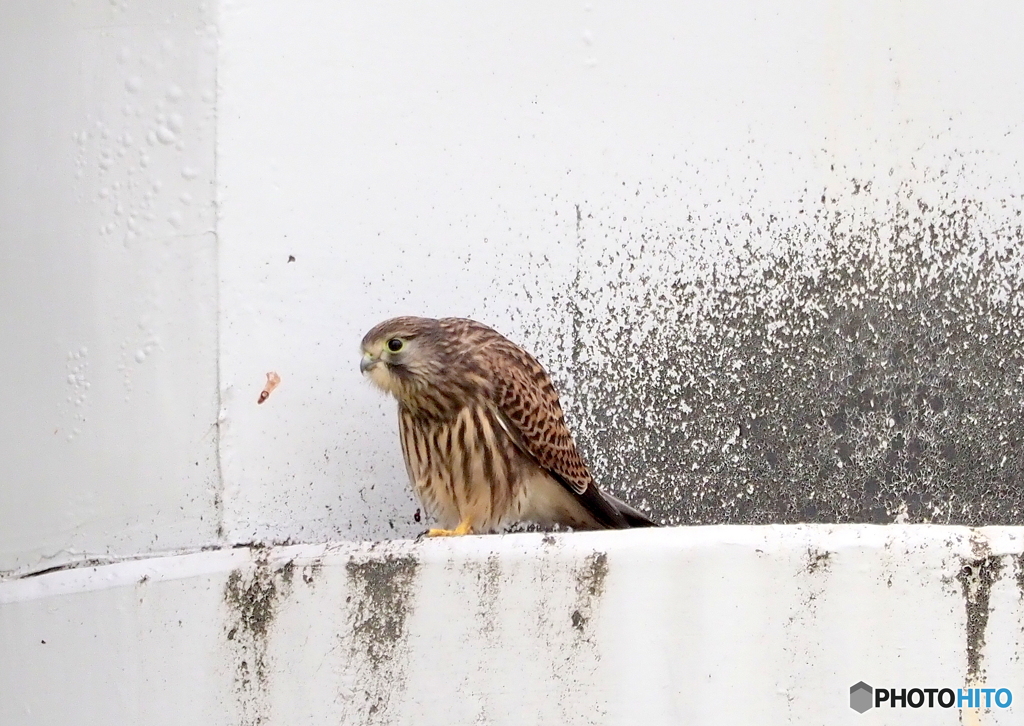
{"x":852,"y":370}
{"x":383,"y":604}
{"x":592,"y":576}
{"x":252,"y":600}
{"x":1020,"y":575}
{"x":976,"y":578}
{"x":378,"y":612}
{"x":287,"y":572}
{"x":818,"y":560}
{"x":589,"y":588}
{"x":312,"y":571}
{"x":488,"y":608}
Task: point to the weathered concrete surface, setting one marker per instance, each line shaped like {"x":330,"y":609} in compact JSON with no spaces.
{"x":863,"y":364}
{"x":704,"y":625}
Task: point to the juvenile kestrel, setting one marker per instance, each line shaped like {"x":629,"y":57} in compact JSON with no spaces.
{"x":483,"y":435}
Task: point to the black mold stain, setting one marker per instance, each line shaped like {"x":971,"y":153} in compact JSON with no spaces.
{"x":1020,"y":574}
{"x":589,"y":588}
{"x":852,"y":369}
{"x":976,"y":578}
{"x":490,"y":581}
{"x":288,"y":572}
{"x":385,"y":602}
{"x":381,"y":607}
{"x":252,"y":600}
{"x":818,"y":560}
{"x":595,"y":570}
{"x":312,"y":571}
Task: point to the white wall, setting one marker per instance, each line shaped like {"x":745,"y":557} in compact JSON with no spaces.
{"x":433,"y":160}
{"x":161,"y":162}
{"x":108,"y":281}
{"x":438,"y":160}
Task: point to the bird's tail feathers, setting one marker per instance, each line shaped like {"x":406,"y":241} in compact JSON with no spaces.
{"x":633,"y":517}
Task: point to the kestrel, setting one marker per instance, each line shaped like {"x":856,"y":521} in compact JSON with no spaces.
{"x":482,"y":431}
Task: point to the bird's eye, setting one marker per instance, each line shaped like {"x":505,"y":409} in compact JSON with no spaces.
{"x":395,"y":345}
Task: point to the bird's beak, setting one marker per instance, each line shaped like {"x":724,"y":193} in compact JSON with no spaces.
{"x":367,"y":362}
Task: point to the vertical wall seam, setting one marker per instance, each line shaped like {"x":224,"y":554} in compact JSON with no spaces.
{"x":220,"y":504}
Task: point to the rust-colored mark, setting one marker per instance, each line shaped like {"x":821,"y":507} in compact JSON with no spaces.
{"x":272,"y":382}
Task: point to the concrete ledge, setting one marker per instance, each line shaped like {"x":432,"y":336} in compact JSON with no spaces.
{"x":705,"y":625}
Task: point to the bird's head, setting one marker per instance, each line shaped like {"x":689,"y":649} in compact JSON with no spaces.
{"x":404,"y":356}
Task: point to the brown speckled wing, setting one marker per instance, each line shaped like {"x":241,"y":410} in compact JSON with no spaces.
{"x":526,"y":406}
{"x":527,"y":401}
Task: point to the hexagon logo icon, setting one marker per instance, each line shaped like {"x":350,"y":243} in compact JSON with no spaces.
{"x":860,"y":697}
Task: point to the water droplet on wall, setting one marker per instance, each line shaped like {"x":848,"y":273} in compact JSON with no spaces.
{"x":133,"y":84}
{"x":165,"y":135}
{"x":140,"y":355}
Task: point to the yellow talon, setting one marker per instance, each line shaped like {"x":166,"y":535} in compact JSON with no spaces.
{"x":463,"y":528}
